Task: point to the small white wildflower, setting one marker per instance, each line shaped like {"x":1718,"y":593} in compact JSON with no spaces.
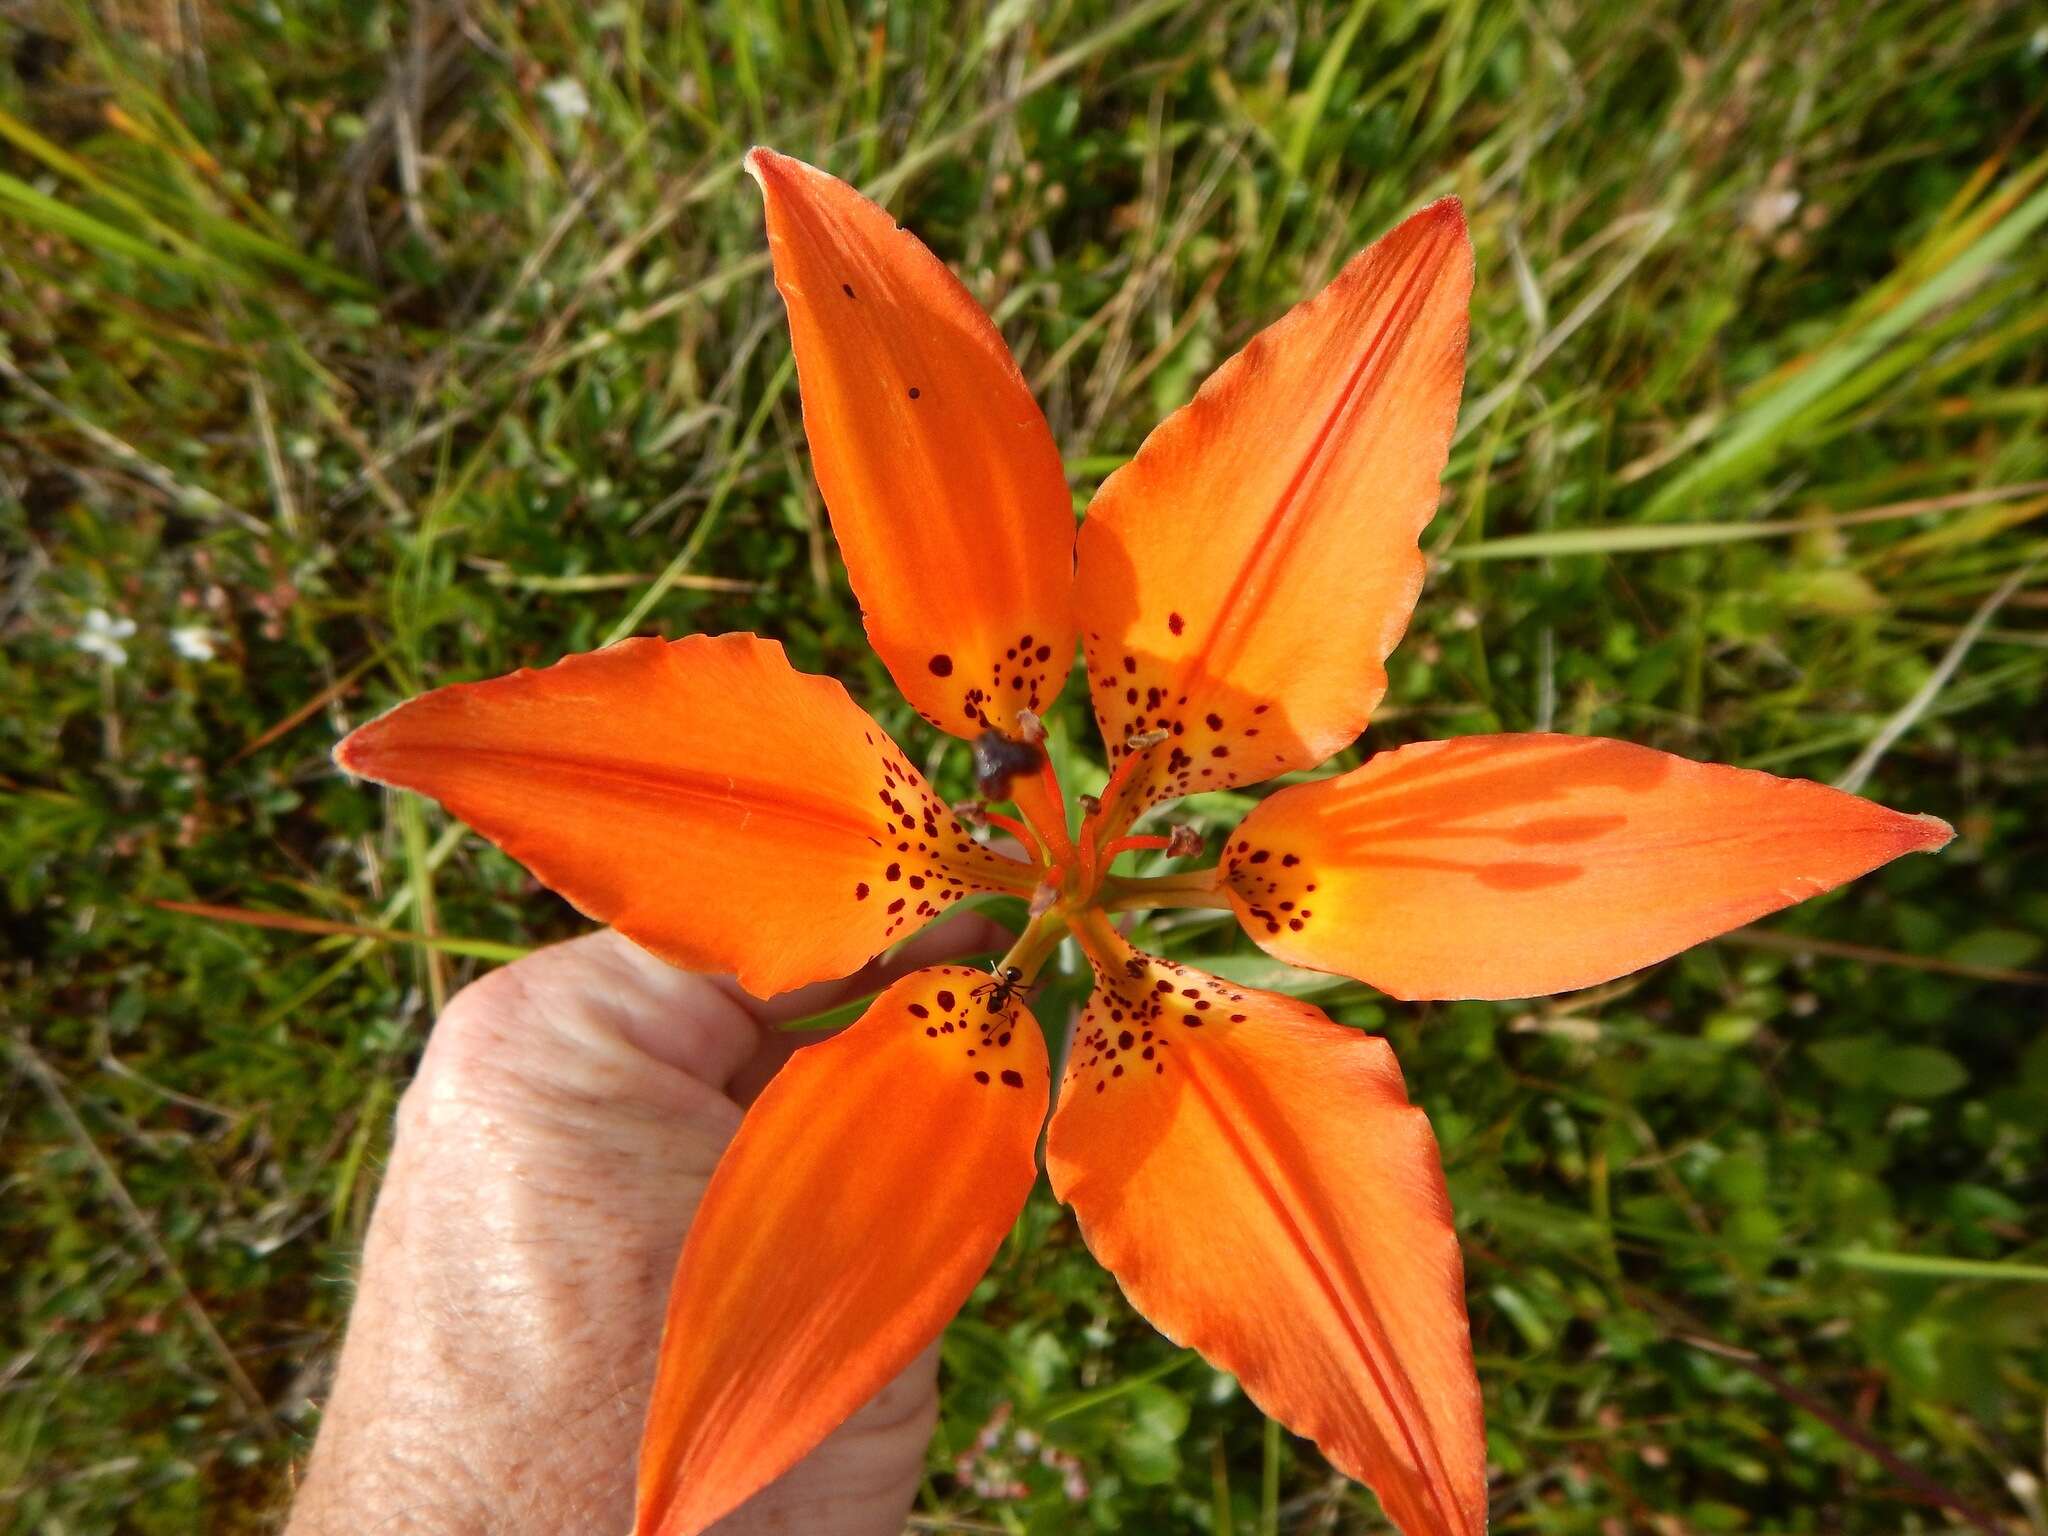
{"x":1771,"y":211}
{"x":566,"y":99}
{"x":194,"y":642}
{"x":102,"y":635}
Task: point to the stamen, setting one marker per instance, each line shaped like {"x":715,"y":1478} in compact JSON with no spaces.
{"x":1015,"y":828}
{"x":1135,"y":747}
{"x":999,"y":760}
{"x":1133,"y":845}
{"x":1093,"y":859}
{"x":1180,"y":842}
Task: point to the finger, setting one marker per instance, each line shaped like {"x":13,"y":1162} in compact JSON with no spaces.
{"x":863,"y":1477}
{"x":578,"y":1006}
{"x":964,"y":933}
{"x":960,"y":933}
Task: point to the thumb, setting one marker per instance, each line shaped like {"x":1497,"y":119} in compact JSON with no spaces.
{"x":698,"y":1038}
{"x":950,"y":940}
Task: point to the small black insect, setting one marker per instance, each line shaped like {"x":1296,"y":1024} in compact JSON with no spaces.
{"x":1000,"y":988}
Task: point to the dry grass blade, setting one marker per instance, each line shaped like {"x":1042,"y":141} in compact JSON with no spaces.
{"x":288,"y":922}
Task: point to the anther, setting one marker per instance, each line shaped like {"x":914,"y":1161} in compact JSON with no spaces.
{"x":1030,"y":727}
{"x":1183,"y":842}
{"x":998,"y":759}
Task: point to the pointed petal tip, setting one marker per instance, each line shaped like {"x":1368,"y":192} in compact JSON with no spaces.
{"x":677,"y":1520}
{"x":1448,"y":209}
{"x":779,"y":176}
{"x":761,"y":163}
{"x":1927,"y":834}
{"x":355,"y":753}
{"x":343,"y":754}
{"x":1448,"y":215}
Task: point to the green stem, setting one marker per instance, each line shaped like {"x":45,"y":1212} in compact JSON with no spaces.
{"x":1034,"y":946}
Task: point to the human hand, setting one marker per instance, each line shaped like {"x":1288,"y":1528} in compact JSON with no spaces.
{"x":549,"y":1158}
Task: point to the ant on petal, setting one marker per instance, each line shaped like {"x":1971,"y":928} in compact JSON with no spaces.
{"x":1000,"y":988}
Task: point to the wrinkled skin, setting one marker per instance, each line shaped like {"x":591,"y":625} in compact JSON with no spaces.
{"x":566,"y":1117}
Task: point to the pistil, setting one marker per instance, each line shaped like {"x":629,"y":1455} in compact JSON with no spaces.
{"x":1193,"y":888}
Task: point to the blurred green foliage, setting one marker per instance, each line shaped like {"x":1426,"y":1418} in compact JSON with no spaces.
{"x":353,"y":347}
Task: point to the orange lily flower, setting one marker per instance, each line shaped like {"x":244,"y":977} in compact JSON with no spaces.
{"x":1252,"y":1172}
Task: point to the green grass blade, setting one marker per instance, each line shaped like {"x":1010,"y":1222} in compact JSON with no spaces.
{"x":1757,"y":432}
{"x":1941,"y":1267}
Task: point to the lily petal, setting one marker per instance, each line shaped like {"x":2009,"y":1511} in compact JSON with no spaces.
{"x":1511,"y":866}
{"x":717,"y":806}
{"x":1243,"y":579}
{"x":942,"y":479}
{"x":1257,"y":1180}
{"x":868,"y":1189}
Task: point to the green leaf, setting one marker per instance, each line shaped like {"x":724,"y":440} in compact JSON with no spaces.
{"x":2011,"y":949}
{"x":1148,"y":1448}
{"x":1851,"y":1060}
{"x":1920,"y":1072}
